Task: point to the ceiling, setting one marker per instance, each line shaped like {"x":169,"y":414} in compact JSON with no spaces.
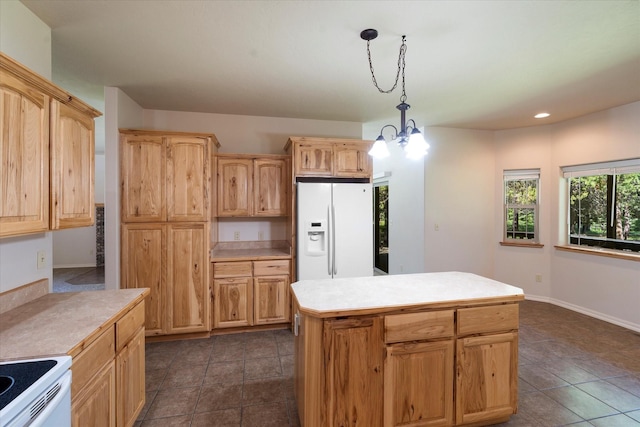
{"x":470,"y":64}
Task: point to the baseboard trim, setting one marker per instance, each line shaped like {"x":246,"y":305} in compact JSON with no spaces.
{"x":75,"y":266}
{"x":591,"y":313}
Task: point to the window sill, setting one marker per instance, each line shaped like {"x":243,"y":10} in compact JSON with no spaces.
{"x":522,"y":244}
{"x":600,"y":252}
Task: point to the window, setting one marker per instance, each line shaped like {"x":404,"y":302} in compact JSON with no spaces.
{"x":604,"y":205}
{"x":381,"y":227}
{"x":521,"y":206}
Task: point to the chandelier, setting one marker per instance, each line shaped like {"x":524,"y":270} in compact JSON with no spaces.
{"x":408,"y":137}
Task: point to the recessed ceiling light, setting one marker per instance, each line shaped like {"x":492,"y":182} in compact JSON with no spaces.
{"x":541,"y":115}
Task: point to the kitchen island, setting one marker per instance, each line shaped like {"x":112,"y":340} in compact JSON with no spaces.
{"x":432,"y":349}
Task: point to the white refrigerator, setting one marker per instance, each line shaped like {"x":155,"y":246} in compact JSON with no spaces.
{"x":334,"y":230}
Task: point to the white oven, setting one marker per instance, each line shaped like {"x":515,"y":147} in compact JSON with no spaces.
{"x":36,"y":392}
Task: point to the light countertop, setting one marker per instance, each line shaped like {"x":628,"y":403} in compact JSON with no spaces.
{"x":57,"y":323}
{"x":377,"y":294}
{"x":250,"y":251}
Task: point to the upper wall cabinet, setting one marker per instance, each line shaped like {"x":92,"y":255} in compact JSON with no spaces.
{"x":72,"y":168}
{"x":47,"y":141}
{"x":252,"y":185}
{"x":330,"y":157}
{"x":165,"y":176}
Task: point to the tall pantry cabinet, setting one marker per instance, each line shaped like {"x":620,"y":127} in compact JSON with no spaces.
{"x":165,"y":213}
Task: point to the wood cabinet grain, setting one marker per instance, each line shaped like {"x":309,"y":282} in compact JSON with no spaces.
{"x":441,"y":367}
{"x":330,"y":157}
{"x":252,"y":185}
{"x":46,"y":154}
{"x":72,"y":168}
{"x":248,"y":293}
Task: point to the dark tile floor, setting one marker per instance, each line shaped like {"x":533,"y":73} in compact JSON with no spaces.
{"x":574,"y":370}
{"x":78,"y":279}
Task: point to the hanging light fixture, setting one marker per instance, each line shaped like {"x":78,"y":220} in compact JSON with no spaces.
{"x":408,"y":137}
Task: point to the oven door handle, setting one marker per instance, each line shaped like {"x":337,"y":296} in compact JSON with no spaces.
{"x":64,"y":393}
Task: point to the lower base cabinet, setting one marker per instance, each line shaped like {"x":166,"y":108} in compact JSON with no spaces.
{"x":455,"y":366}
{"x":248,"y":293}
{"x":108,"y":386}
{"x":487,"y":379}
{"x":410,"y":369}
{"x":96,"y":406}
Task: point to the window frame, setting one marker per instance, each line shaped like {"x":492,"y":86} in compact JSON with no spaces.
{"x":599,"y":244}
{"x":521,"y":175}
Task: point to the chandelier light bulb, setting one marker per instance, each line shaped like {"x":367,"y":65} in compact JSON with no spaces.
{"x":379,"y":149}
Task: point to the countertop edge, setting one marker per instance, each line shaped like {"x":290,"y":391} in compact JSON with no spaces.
{"x":405,"y":308}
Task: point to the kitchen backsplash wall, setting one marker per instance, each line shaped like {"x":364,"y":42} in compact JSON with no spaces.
{"x":251,"y":229}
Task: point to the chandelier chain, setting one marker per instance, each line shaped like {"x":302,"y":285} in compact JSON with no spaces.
{"x":401,"y":63}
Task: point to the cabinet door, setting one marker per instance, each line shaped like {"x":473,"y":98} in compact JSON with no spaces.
{"x":130,"y":380}
{"x":233,"y":302}
{"x":187,"y":278}
{"x":271,"y":299}
{"x":72,"y":168}
{"x":143,"y":265}
{"x":352,"y":160}
{"x":486,"y":377}
{"x":142,"y":171}
{"x":235,"y":187}
{"x":188,"y":179}
{"x":418,"y":384}
{"x":24,"y":158}
{"x":270,"y":187}
{"x":96,"y":406}
{"x":313,"y":159}
{"x":354,"y":380}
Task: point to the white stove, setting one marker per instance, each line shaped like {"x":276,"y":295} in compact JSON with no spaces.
{"x":36,"y":392}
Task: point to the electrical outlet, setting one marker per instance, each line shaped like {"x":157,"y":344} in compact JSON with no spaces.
{"x":236,"y":235}
{"x":538,"y":278}
{"x":42,"y":259}
{"x":260,"y":235}
{"x":436,"y":227}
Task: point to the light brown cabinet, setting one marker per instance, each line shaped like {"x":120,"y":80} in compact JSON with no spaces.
{"x":354,"y":375}
{"x":252,"y":186}
{"x":165,"y":214}
{"x":344,"y":158}
{"x":420,"y":357}
{"x":97,"y":405}
{"x":108,"y":386}
{"x":72,"y":168}
{"x":451,"y":366}
{"x":165,"y":176}
{"x":46,"y":154}
{"x":487,"y":356}
{"x":171,"y":259}
{"x":248,"y":293}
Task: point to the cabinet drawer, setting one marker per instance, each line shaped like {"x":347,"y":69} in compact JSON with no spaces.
{"x":418,"y":326}
{"x":232,"y":269}
{"x":480,"y":320}
{"x":85,"y":365}
{"x":129,"y":325}
{"x":271,"y":268}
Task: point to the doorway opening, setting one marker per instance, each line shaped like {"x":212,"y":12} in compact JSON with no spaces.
{"x":381,"y":227}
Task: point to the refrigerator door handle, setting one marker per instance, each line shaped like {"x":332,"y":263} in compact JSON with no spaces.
{"x":333,"y":239}
{"x":329,"y":243}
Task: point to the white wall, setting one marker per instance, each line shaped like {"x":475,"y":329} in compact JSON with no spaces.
{"x":120,"y":112}
{"x":249,"y":134}
{"x":24,"y":37}
{"x":459,"y":190}
{"x":603,"y":287}
{"x":451,"y":190}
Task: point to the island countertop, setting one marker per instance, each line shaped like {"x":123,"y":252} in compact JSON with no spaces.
{"x":378,"y":294}
{"x":59,"y":323}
